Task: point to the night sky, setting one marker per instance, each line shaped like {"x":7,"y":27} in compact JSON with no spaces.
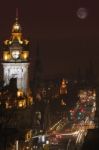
{"x":66,"y":41}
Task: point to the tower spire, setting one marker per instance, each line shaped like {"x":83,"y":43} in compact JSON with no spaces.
{"x":17,"y":14}
{"x":16,"y":26}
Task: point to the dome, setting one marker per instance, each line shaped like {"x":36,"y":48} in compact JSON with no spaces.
{"x":16,"y":27}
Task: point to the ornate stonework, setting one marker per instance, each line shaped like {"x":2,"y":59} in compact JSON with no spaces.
{"x":16,"y":58}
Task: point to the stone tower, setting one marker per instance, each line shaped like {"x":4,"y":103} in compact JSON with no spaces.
{"x":16,"y":58}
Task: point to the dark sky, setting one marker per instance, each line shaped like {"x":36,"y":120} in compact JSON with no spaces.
{"x":66,"y":42}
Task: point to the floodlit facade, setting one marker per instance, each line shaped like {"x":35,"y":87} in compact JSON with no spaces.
{"x":16,"y":58}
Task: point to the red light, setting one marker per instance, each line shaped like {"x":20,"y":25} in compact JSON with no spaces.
{"x":82,"y":110}
{"x":58,"y":136}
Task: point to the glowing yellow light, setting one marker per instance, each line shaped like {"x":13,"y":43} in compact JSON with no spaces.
{"x":16,"y":27}
{"x":19,"y":93}
{"x":63,"y":83}
{"x":22,"y":103}
{"x":10,"y":42}
{"x":25,"y":55}
{"x":5,"y":57}
{"x":21,"y":42}
{"x":6,"y":42}
{"x":26,"y":42}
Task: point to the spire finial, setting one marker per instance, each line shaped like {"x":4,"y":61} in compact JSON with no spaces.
{"x":17,"y":14}
{"x":16,"y":26}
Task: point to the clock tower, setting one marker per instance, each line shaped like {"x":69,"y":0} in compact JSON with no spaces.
{"x":16,"y":58}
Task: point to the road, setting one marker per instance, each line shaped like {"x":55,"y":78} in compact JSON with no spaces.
{"x":70,"y":134}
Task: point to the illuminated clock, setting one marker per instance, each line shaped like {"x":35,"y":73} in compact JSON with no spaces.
{"x":15,"y":49}
{"x":15,"y":54}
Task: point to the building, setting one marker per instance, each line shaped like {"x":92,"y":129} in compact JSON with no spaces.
{"x":16,"y":109}
{"x":63,"y":87}
{"x":16,"y":58}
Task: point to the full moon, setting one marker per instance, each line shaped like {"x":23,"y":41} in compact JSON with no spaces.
{"x":82,"y":13}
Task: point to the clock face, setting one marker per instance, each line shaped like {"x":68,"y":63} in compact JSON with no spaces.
{"x":15,"y":50}
{"x":15,"y":54}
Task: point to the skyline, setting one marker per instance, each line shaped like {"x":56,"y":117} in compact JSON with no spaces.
{"x":49,"y":74}
{"x":66,"y":42}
